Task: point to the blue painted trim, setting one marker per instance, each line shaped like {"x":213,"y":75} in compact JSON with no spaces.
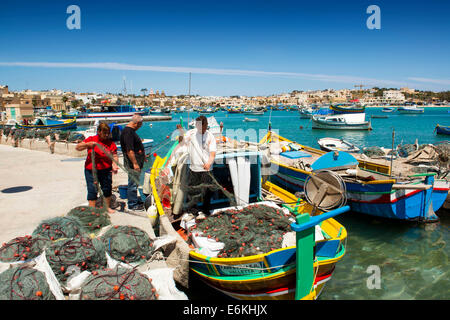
{"x":318,"y":219}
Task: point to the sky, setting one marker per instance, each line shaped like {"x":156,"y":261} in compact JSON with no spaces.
{"x":230,"y":47}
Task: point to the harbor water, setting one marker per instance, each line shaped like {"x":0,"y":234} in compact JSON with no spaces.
{"x":411,"y":258}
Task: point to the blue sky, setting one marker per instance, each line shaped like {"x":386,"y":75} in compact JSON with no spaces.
{"x":231,"y":47}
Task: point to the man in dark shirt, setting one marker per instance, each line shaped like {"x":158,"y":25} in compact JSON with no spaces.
{"x":133,"y":158}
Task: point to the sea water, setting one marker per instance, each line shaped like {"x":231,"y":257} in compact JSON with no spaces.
{"x":412,"y":258}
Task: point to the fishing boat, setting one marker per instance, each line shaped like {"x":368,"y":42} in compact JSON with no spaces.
{"x":344,"y":108}
{"x":46,"y":123}
{"x":410,"y":109}
{"x":207,"y":111}
{"x":250,"y":120}
{"x":442,"y":129}
{"x":388,"y":109}
{"x":333,"y":144}
{"x":213,"y":126}
{"x":299,"y":271}
{"x":370,"y":187}
{"x":254,"y":113}
{"x":375,"y":116}
{"x":350,"y":121}
{"x":112,"y":112}
{"x":308,"y":113}
{"x":160,"y":111}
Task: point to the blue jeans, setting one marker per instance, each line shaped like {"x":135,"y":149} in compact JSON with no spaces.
{"x":105,"y":180}
{"x":132,"y":192}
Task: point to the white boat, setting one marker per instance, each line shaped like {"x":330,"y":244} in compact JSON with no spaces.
{"x":351,"y":121}
{"x":388,"y":109}
{"x":250,"y":120}
{"x":410,"y":109}
{"x":333,"y":144}
{"x":115,"y":133}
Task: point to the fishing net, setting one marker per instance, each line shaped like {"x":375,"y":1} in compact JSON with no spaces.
{"x":92,"y":219}
{"x":254,"y":229}
{"x":127,"y":244}
{"x":75,"y":137}
{"x":24,"y":283}
{"x":75,"y":254}
{"x":23,"y":248}
{"x":60,"y":227}
{"x":373,"y":151}
{"x":405,"y":150}
{"x":118,"y":284}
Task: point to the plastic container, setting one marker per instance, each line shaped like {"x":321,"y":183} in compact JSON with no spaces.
{"x":123,"y":192}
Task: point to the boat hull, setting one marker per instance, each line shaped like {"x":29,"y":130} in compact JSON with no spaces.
{"x":442,"y":130}
{"x":377,"y":198}
{"x":319,"y":124}
{"x":109,"y":115}
{"x":67,"y":125}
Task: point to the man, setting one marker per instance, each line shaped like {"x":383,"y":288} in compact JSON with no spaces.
{"x":202,"y":148}
{"x":134,"y":159}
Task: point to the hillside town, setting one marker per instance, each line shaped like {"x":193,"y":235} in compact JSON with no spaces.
{"x":29,"y":101}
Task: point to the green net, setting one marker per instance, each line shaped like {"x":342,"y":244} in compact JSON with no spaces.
{"x":373,"y":151}
{"x":127,"y":244}
{"x":24,"y":283}
{"x":252,"y":230}
{"x":60,"y":227}
{"x":80,"y":252}
{"x":118,"y":284}
{"x":92,"y":219}
{"x":23,"y":248}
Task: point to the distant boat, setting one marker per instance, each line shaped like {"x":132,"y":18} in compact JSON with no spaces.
{"x":378,"y":116}
{"x":354,"y":121}
{"x":388,"y":109}
{"x":116,"y":130}
{"x":207,"y":111}
{"x":250,"y":120}
{"x":160,"y":111}
{"x":442,"y":129}
{"x":410,"y":110}
{"x":342,"y":108}
{"x":333,"y":144}
{"x":254,"y":113}
{"x":112,"y":112}
{"x":44,"y":123}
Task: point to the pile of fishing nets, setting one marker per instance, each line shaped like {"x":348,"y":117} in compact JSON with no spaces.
{"x":23,"y":248}
{"x":60,"y":227}
{"x":127,"y":244}
{"x":404,"y":150}
{"x":118,"y":284}
{"x":373,"y":152}
{"x":251,"y":230}
{"x":92,"y":219}
{"x":24,"y":283}
{"x":68,"y":136}
{"x":80,"y":253}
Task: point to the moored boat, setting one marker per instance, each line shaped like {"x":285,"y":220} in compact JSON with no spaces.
{"x":370,"y":188}
{"x":250,"y":120}
{"x":45,"y":123}
{"x":333,"y":144}
{"x":388,"y":109}
{"x":351,"y":121}
{"x":343,"y":108}
{"x":442,"y":129}
{"x":410,"y":109}
{"x":279,"y":273}
{"x":112,"y":112}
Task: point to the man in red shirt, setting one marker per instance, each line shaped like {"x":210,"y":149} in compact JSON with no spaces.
{"x":104,"y":166}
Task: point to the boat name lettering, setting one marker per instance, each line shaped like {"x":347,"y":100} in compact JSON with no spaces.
{"x":249,"y":268}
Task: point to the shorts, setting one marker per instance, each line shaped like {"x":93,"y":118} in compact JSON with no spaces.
{"x":104,"y":178}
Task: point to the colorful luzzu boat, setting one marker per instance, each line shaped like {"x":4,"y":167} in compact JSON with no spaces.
{"x":45,"y":123}
{"x":381,"y":195}
{"x":277,"y":274}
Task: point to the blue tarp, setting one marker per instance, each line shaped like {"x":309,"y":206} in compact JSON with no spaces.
{"x":295,"y":154}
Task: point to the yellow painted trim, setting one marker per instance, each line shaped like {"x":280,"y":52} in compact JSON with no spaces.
{"x":311,"y":296}
{"x":154,"y":173}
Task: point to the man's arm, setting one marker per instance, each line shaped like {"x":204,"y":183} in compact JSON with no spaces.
{"x":133,"y":160}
